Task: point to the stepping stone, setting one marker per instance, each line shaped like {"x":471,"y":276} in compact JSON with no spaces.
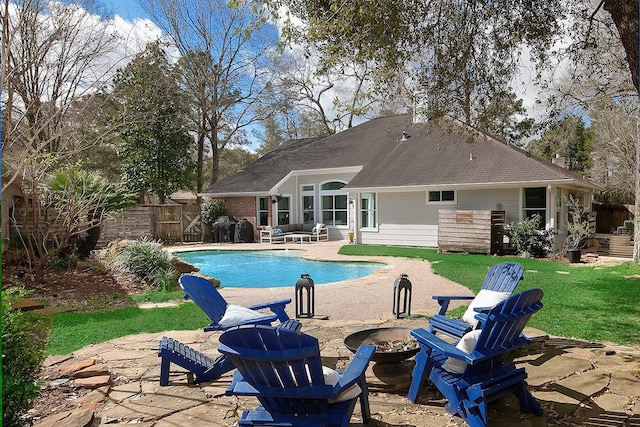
{"x":93,"y":382}
{"x":28,"y":304}
{"x":93,"y":371}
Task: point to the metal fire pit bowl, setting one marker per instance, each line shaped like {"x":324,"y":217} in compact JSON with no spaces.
{"x":378,"y":336}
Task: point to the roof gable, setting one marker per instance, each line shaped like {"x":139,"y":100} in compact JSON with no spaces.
{"x":429,"y":156}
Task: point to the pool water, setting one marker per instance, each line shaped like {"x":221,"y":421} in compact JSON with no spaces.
{"x":270,"y":269}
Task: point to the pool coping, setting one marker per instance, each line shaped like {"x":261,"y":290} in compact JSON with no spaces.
{"x":346,"y":299}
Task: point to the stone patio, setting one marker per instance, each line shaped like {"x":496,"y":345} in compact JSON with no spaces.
{"x":576,"y":382}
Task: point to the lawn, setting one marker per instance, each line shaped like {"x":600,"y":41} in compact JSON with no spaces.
{"x":580,"y":301}
{"x":589,"y":303}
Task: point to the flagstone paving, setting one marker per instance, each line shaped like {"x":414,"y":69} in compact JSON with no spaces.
{"x":576,"y":382}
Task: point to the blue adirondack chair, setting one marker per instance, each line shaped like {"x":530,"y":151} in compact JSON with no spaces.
{"x":207,"y":297}
{"x":500,"y":278}
{"x":284,"y":371}
{"x":195,"y":362}
{"x":485,"y":376}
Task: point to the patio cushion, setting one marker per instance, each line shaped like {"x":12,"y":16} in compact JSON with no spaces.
{"x":485,"y":298}
{"x":237,"y":314}
{"x":467,"y":343}
{"x":331,"y":377}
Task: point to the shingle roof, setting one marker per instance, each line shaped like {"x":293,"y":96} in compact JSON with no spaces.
{"x":429,"y":156}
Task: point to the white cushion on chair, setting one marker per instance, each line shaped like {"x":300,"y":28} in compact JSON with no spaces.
{"x":331,"y":377}
{"x":467,"y":343}
{"x":236,"y":314}
{"x":484,"y":298}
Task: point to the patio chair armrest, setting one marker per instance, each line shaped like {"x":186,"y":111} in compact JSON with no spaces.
{"x":264,"y":320}
{"x":431,"y":341}
{"x":356,"y":368}
{"x":444,"y":300}
{"x":277,"y":307}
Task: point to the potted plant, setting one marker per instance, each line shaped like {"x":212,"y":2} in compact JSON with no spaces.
{"x":577,"y":229}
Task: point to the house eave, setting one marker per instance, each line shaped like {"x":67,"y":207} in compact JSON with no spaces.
{"x":305,"y":172}
{"x":476,"y":186}
{"x":235,"y":194}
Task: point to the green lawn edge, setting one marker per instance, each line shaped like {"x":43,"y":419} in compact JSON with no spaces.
{"x":596,"y":304}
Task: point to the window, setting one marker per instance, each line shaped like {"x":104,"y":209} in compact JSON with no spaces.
{"x":535,"y":202}
{"x":284,"y":210}
{"x":263,"y":211}
{"x":308,"y":204}
{"x":334,"y":203}
{"x":367,"y":210}
{"x":448,"y":196}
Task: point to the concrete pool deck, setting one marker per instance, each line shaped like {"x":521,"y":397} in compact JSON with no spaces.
{"x":367,"y":298}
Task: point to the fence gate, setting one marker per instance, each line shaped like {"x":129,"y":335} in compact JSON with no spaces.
{"x":192,"y":226}
{"x":168,"y":223}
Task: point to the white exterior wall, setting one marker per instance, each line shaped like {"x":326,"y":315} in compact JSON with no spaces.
{"x":507,"y":199}
{"x":404,"y":219}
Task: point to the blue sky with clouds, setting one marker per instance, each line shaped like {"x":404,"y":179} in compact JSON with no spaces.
{"x":127,"y":9}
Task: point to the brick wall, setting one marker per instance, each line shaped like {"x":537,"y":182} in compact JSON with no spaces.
{"x":241,"y":208}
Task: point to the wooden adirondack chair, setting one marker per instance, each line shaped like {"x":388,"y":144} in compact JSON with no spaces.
{"x":501,"y":278}
{"x":207,"y":297}
{"x":486,"y":376}
{"x":284,"y":371}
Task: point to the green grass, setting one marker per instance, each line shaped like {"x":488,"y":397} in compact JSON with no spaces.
{"x":157,"y":296}
{"x":585,"y":302}
{"x":595,"y":304}
{"x":72,"y":331}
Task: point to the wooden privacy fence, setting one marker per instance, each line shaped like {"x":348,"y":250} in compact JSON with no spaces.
{"x":169,"y":223}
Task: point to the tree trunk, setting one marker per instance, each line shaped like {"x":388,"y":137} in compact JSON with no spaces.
{"x":200,"y":165}
{"x":625,"y":17}
{"x":636,"y":228}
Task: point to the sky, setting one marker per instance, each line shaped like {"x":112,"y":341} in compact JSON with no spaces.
{"x":127,"y":9}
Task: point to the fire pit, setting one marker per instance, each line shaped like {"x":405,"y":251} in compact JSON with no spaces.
{"x":393,"y":346}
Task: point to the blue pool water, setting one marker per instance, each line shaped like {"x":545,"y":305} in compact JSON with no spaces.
{"x":269,"y":269}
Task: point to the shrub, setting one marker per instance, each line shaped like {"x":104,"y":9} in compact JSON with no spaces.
{"x":23,"y":346}
{"x":211,"y":210}
{"x":60,"y":263}
{"x":146,"y":261}
{"x":528,"y":239}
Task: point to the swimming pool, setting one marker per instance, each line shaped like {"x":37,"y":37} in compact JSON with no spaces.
{"x":270,"y":269}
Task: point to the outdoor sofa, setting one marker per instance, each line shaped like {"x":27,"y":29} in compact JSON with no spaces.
{"x":278,"y":233}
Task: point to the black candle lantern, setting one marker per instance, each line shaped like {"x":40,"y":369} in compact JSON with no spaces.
{"x":305,"y":296}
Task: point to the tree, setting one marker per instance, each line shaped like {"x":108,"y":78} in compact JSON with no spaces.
{"x":52,"y":66}
{"x":155,"y":147}
{"x":51,"y":57}
{"x":568,"y":138}
{"x":224,"y":46}
{"x":460,"y":53}
{"x":614,"y":161}
{"x":234,"y":160}
{"x":67,"y":204}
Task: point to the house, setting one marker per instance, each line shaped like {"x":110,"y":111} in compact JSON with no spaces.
{"x":388,"y":179}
